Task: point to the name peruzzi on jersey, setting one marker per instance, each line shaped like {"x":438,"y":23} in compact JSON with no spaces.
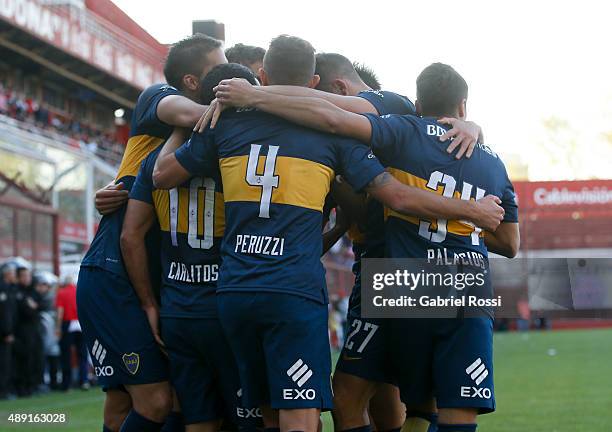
{"x":259,"y":245}
{"x":193,"y":273}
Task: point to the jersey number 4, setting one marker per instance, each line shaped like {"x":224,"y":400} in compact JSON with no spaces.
{"x":196,"y":184}
{"x":268,"y":181}
{"x":449,"y":184}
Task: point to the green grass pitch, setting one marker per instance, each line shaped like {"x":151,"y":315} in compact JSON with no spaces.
{"x":545,"y":382}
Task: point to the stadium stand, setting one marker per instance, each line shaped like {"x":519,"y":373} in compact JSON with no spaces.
{"x":70,"y":74}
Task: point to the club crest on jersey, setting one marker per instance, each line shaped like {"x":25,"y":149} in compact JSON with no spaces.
{"x":131,"y":362}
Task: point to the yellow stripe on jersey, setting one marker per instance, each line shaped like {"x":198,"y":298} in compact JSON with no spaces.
{"x":138,"y":147}
{"x":301,"y":182}
{"x":161,"y":199}
{"x":454,"y":226}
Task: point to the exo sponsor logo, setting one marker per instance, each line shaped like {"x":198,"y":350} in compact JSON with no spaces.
{"x":248,"y":412}
{"x":297,"y":394}
{"x":475,"y":392}
{"x":477,"y":371}
{"x":299,"y":373}
{"x":104,"y":371}
{"x":98,"y":352}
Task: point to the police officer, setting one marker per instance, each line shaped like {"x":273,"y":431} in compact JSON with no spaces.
{"x":8,"y":314}
{"x":28,"y":347}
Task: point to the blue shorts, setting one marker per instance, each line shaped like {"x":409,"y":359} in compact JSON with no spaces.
{"x":281,"y":345}
{"x":204,"y":373}
{"x":365,"y":353}
{"x":117,"y":332}
{"x":449,"y":359}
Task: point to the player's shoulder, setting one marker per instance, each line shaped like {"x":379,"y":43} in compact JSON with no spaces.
{"x":154,"y":93}
{"x":242,"y":118}
{"x":155,"y":89}
{"x":388,"y":102}
{"x":488,"y":155}
{"x":401,"y":121}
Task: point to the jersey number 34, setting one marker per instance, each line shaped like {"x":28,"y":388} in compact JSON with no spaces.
{"x":448,"y":183}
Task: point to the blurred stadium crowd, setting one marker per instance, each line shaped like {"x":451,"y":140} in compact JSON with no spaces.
{"x":38,"y":331}
{"x":36,"y":116}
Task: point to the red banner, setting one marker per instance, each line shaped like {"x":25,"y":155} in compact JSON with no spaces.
{"x":565,"y":195}
{"x":89,"y":38}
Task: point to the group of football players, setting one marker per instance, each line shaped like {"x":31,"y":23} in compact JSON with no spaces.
{"x":203,"y":299}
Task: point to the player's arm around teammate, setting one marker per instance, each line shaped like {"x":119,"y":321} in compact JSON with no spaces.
{"x":239,"y":93}
{"x":139,"y":218}
{"x":325,"y":116}
{"x":176,"y":110}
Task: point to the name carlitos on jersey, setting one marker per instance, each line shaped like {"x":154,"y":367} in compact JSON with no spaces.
{"x":193,"y":273}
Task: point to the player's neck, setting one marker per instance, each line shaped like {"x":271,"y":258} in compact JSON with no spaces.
{"x":357,"y":88}
{"x":439,"y":116}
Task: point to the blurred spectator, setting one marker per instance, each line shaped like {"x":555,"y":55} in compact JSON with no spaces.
{"x":3,"y":101}
{"x":44,"y":283}
{"x":30,"y":111}
{"x":28,"y":338}
{"x":70,"y":334}
{"x":8,"y":315}
{"x":524,"y":320}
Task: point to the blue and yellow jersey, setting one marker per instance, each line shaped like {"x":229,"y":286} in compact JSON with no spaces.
{"x":387,"y":102}
{"x":276,"y":176}
{"x":370,"y":242}
{"x":410,"y":148}
{"x":191,"y":219}
{"x":146,"y":134}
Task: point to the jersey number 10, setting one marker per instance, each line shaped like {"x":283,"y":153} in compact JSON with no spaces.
{"x":195,"y":185}
{"x":449,"y":183}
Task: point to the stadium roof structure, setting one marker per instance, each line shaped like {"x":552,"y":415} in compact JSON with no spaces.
{"x":90,"y":43}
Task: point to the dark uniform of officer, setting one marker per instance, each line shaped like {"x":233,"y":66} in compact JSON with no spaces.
{"x":8,"y":315}
{"x":28,"y":336}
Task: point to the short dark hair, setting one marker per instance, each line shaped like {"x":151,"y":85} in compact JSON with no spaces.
{"x":440,"y":89}
{"x":245,"y":55}
{"x":188,"y":56}
{"x":367,"y":75}
{"x":289,"y":61}
{"x":331,"y":66}
{"x":221,"y":72}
